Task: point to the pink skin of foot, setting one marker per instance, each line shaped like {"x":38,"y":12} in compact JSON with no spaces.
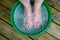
{"x":28,"y":19}
{"x":28,"y":11}
{"x":37,"y":16}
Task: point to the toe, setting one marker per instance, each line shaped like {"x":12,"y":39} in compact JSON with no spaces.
{"x":36,"y":24}
{"x":26,"y":25}
{"x":29,"y":26}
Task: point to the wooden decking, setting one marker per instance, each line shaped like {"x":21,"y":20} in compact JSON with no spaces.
{"x":8,"y":33}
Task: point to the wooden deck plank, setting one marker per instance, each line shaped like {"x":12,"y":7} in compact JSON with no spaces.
{"x":46,"y":35}
{"x":5,"y":14}
{"x":40,"y":38}
{"x":54,"y":3}
{"x":50,"y":37}
{"x":10,"y":33}
{"x":54,"y":30}
{"x":2,"y":38}
{"x":56,"y":18}
{"x":8,"y":3}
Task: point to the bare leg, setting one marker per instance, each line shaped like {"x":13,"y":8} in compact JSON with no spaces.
{"x":37,"y":16}
{"x":28,"y":11}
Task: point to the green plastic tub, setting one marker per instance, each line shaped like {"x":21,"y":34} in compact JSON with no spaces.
{"x":17,"y":19}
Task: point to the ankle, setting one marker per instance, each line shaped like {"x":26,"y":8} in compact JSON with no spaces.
{"x":27,"y":5}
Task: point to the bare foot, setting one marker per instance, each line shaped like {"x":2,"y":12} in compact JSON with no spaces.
{"x":28,"y":13}
{"x":28,"y":18}
{"x":37,"y":17}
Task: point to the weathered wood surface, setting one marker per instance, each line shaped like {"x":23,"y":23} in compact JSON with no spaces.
{"x":2,"y":38}
{"x":7,"y":3}
{"x":56,"y":18}
{"x":54,"y":3}
{"x":5,"y":14}
{"x":54,"y":30}
{"x":10,"y":33}
{"x":52,"y":33}
{"x":45,"y":36}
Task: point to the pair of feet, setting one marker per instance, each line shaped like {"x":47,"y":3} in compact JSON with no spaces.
{"x":29,"y":21}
